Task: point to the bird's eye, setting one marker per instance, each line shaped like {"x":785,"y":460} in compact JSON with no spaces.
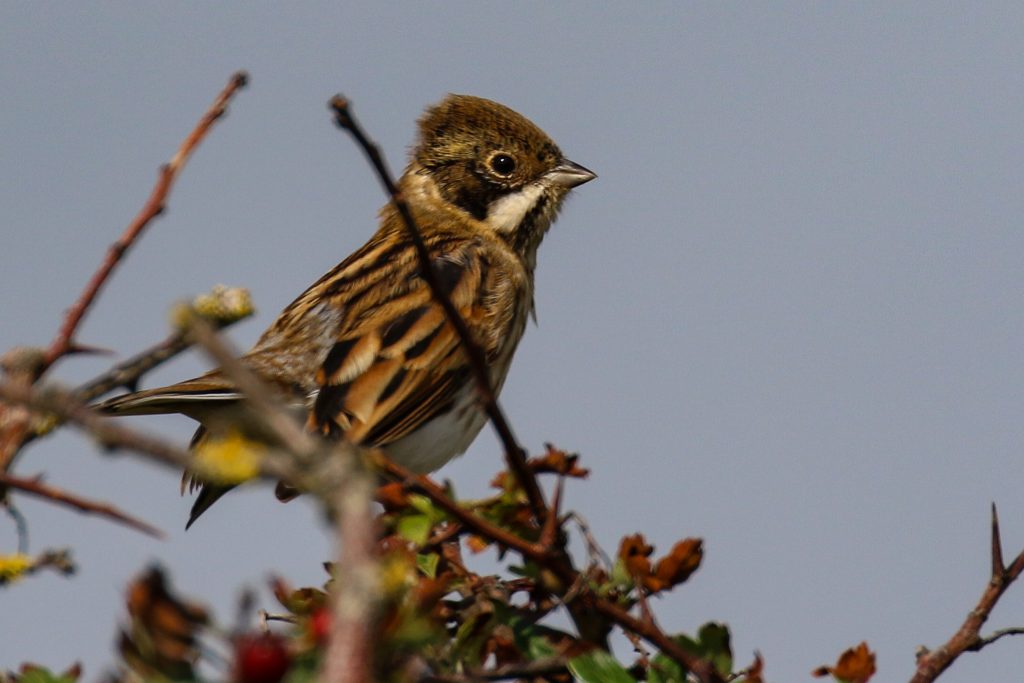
{"x":503,"y":164}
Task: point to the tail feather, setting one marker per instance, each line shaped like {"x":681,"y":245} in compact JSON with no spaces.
{"x":209,"y":495}
{"x":189,"y":397}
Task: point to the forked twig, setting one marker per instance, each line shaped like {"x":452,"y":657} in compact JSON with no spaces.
{"x":968,"y":638}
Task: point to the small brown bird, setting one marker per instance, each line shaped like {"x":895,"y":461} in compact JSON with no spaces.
{"x":366,"y":351}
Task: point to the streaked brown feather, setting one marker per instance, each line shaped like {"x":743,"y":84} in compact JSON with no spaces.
{"x":379,"y":386}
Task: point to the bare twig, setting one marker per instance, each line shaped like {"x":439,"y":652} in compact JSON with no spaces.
{"x":514,"y":453}
{"x":37,"y":488}
{"x":20,"y":523}
{"x":153,"y":207}
{"x":996,"y":635}
{"x":65,"y":407}
{"x":596,"y":553}
{"x":14,"y":427}
{"x":931,"y":663}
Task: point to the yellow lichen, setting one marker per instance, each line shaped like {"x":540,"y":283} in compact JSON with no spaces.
{"x":13,"y":567}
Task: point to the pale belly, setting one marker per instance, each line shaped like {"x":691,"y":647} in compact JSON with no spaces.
{"x":443,"y":438}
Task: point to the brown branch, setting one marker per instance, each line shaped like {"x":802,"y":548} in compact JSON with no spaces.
{"x":37,"y":488}
{"x":474,"y":523}
{"x":127,"y":373}
{"x":514,"y":453}
{"x":931,"y":663}
{"x":154,"y":206}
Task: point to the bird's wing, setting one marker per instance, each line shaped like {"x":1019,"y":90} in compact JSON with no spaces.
{"x":394,"y":362}
{"x":400,"y":363}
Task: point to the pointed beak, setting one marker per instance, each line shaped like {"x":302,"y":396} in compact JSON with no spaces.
{"x":569,"y":174}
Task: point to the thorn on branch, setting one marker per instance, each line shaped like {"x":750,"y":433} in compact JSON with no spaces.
{"x":931,"y":663}
{"x":998,"y":568}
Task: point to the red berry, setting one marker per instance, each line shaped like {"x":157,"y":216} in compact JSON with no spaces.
{"x":260,"y":658}
{"x":320,"y":625}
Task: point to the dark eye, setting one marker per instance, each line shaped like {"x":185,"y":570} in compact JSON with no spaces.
{"x":503,"y":164}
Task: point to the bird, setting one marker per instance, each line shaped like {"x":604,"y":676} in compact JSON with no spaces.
{"x":366,"y":353}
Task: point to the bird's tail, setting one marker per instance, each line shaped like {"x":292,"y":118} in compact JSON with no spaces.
{"x":191,"y":397}
{"x":208,"y":495}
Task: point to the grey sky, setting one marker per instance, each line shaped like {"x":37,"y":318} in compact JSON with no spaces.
{"x":786,"y":318}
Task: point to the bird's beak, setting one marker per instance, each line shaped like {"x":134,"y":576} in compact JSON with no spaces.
{"x":570,"y":174}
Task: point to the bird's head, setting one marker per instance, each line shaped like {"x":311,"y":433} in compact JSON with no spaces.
{"x":496,"y":166}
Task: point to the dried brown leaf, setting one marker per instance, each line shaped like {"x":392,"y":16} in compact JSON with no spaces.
{"x":678,"y":565}
{"x":855,"y":665}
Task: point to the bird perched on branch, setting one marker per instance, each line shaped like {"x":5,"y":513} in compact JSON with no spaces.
{"x":367,"y":352}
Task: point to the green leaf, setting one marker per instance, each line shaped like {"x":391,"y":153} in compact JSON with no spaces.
{"x":41,"y":675}
{"x":539,"y":647}
{"x":421,"y":503}
{"x":415,"y":528}
{"x":665,"y":670}
{"x":599,"y":667}
{"x":620,"y":577}
{"x":427,"y":563}
{"x":712,"y":644}
{"x":304,"y":669}
{"x":714,"y":640}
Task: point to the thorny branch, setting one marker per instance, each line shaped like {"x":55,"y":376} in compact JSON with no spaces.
{"x":515,"y":453}
{"x":968,"y":638}
{"x":14,"y":428}
{"x":155,"y":205}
